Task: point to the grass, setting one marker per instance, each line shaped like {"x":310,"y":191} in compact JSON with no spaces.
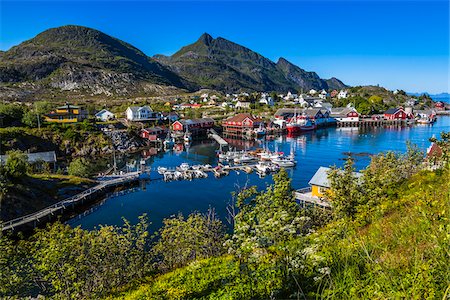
{"x":403,"y":253}
{"x":63,"y":180}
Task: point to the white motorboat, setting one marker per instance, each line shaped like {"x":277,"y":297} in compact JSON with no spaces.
{"x":285,"y":162}
{"x":162,"y":170}
{"x":245,"y":158}
{"x":184,"y":167}
{"x":262,"y":168}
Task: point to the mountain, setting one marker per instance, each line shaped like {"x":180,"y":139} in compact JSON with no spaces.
{"x":223,"y":65}
{"x":75,"y":61}
{"x":80,"y":58}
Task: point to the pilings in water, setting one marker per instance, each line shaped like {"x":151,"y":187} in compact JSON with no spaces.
{"x":373,"y":123}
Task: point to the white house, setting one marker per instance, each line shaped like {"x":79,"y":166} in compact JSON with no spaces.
{"x":266,"y":100}
{"x":342,"y":94}
{"x":325,"y":105}
{"x":104,"y":115}
{"x":323,"y":95}
{"x":142,"y":113}
{"x":312,"y":92}
{"x":344,"y":114}
{"x":242,"y":104}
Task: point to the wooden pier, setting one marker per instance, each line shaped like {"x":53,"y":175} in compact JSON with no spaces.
{"x":374,"y":123}
{"x":50,"y":212}
{"x":222,"y":143}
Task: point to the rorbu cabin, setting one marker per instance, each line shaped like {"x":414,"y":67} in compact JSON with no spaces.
{"x":240,"y":123}
{"x":194,"y":126}
{"x":320,"y":182}
{"x":153,"y":134}
{"x":395,"y":114}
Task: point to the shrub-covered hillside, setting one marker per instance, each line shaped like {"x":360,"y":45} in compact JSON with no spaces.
{"x":385,"y":238}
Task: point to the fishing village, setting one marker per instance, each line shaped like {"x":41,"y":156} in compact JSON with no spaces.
{"x":181,"y":150}
{"x":171,"y":132}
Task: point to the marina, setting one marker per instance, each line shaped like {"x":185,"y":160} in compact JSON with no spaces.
{"x":323,"y":147}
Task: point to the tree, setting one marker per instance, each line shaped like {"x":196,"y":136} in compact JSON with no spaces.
{"x":345,"y":192}
{"x":30,"y":118}
{"x":79,"y":167}
{"x":185,"y":240}
{"x":16,"y":164}
{"x":266,"y":218}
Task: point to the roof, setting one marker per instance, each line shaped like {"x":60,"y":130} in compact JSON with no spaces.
{"x":196,"y":121}
{"x":67,"y":106}
{"x":102,"y":112}
{"x":49,"y":156}
{"x":341,"y":111}
{"x":320,"y":178}
{"x":154,"y":129}
{"x":135,"y":109}
{"x":311,"y":112}
{"x":392,"y":111}
{"x":240,"y":118}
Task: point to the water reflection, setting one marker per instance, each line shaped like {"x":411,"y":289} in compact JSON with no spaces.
{"x":323,"y":147}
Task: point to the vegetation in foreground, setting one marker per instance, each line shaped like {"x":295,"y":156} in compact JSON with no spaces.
{"x":392,"y":242}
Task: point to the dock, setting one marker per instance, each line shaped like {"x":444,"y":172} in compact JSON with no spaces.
{"x":305,"y":199}
{"x":373,"y":123}
{"x":50,"y":212}
{"x":214,"y":135}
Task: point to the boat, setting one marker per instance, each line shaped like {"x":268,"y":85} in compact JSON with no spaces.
{"x":184,"y":167}
{"x":245,"y":158}
{"x":297,"y":125}
{"x":187,"y":137}
{"x":424,"y":121}
{"x":169,"y":141}
{"x":262,"y":168}
{"x":260,"y":131}
{"x":285,"y":162}
{"x":162,"y":170}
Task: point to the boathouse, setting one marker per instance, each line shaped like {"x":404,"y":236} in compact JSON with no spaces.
{"x":395,"y":114}
{"x":318,"y":185}
{"x":195,"y":126}
{"x":240,"y":123}
{"x":344,"y":114}
{"x":152,"y":134}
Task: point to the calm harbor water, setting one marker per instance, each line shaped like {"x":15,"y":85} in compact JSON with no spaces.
{"x":324,"y":147}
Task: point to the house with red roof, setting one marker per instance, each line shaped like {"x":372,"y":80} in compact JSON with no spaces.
{"x":395,"y":114}
{"x":240,"y":123}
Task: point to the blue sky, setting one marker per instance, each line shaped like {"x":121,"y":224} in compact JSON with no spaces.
{"x":397,"y":44}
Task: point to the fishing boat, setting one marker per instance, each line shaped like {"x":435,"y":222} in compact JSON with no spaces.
{"x":297,"y":125}
{"x":424,"y":121}
{"x":260,"y":131}
{"x":187,"y":137}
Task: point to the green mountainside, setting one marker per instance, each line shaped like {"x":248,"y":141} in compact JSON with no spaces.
{"x":86,"y":62}
{"x":80,"y":58}
{"x":224,"y":65}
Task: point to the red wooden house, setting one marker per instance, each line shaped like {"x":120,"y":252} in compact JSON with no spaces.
{"x":439,"y":105}
{"x":195,"y":126}
{"x":395,"y":114}
{"x":240,"y":123}
{"x":152,"y":134}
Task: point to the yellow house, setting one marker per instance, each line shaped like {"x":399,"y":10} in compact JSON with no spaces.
{"x":66,"y":114}
{"x":319,"y":182}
